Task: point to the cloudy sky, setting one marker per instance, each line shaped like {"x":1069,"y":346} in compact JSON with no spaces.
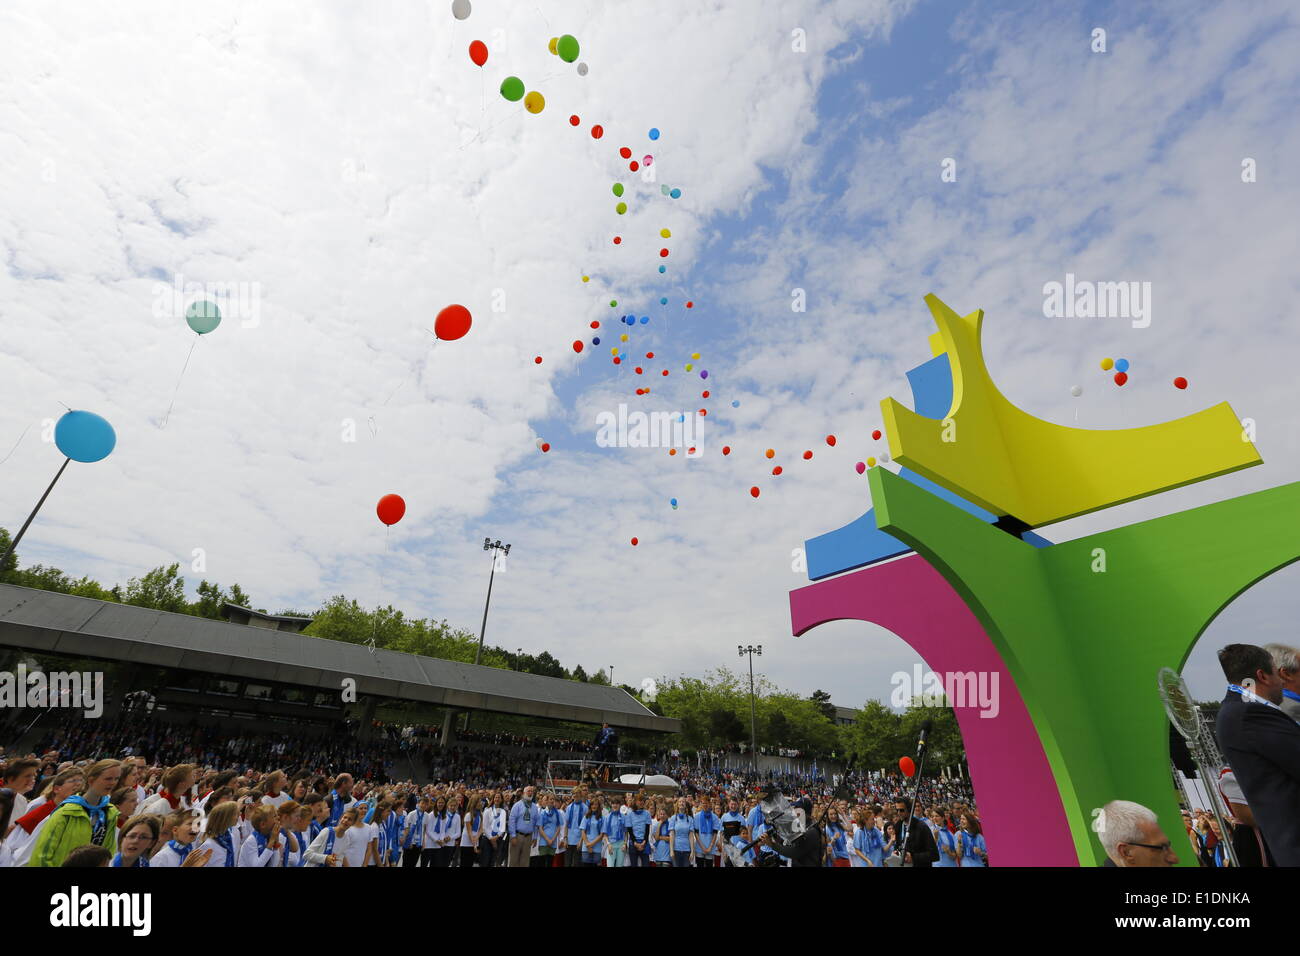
{"x":347,"y":172}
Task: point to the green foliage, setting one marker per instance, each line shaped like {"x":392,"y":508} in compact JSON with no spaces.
{"x":715,"y":713}
{"x":880,"y":736}
{"x":162,"y":589}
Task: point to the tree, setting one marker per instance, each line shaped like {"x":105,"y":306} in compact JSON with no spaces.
{"x":239,"y":598}
{"x":579,"y":674}
{"x":162,"y":589}
{"x":823,"y":702}
{"x":778,"y":729}
{"x":211,"y":598}
{"x":10,"y":562}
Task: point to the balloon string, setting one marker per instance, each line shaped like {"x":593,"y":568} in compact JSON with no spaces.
{"x":179,"y":380}
{"x":16,"y":444}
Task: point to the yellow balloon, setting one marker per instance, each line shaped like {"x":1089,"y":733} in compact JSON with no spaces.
{"x":1107,"y":364}
{"x":695,"y":355}
{"x":623,"y":337}
{"x":552,"y":46}
{"x":586,"y":278}
{"x":614,"y":350}
{"x":667,"y":234}
{"x":871,"y":463}
{"x":688,"y":366}
{"x":534,"y":102}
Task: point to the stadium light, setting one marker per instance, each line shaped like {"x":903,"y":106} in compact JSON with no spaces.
{"x":751,"y":650}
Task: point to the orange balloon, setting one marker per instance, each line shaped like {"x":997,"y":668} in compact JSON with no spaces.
{"x":770,"y":453}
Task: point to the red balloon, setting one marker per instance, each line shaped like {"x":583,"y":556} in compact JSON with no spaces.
{"x":663,"y":253}
{"x":875,"y":435}
{"x":777,"y":470}
{"x":618,"y":240}
{"x":690,"y":305}
{"x":573,"y":120}
{"x":595,"y":325}
{"x":704,"y":412}
{"x":538,"y":360}
{"x":830,"y":440}
{"x":617,"y":360}
{"x":597,"y":131}
{"x":452,"y":323}
{"x":1121,"y":378}
{"x":478,"y":52}
{"x":634,"y":542}
{"x":704,"y":394}
{"x":907,"y":765}
{"x":1180,"y":382}
{"x":625,"y":153}
{"x":633,"y":166}
{"x":649,"y":355}
{"x":390,"y":509}
{"x":577,"y":345}
{"x":754,"y":491}
{"x":807,"y":456}
{"x":665,"y":371}
{"x":726,"y":449}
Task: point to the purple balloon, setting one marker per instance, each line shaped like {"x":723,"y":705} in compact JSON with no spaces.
{"x":704,"y":374}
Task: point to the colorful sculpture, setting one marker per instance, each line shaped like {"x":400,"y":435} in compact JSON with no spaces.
{"x":1081,"y":627}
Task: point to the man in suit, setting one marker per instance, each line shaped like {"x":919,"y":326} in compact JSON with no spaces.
{"x":920,"y":848}
{"x":1262,"y":745}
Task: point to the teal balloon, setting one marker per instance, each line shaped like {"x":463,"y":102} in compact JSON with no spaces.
{"x":1121,"y":365}
{"x":567,"y":47}
{"x":203,"y":316}
{"x":84,"y":436}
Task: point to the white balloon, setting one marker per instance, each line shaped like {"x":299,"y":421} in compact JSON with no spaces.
{"x":540,"y":443}
{"x":884,"y":457}
{"x":460,"y":9}
{"x":1076,"y":390}
{"x":582,"y":69}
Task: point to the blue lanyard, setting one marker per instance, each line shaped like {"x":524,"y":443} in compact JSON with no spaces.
{"x":1247,"y":695}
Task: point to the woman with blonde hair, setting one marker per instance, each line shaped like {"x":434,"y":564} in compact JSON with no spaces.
{"x":80,"y":819}
{"x":220,"y":834}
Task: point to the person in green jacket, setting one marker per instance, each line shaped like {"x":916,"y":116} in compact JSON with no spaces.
{"x":85,"y":818}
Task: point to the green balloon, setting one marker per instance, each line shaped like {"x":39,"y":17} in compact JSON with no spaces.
{"x":203,"y":316}
{"x":512,"y":88}
{"x":621,"y":208}
{"x":567,"y":48}
{"x":618,"y":189}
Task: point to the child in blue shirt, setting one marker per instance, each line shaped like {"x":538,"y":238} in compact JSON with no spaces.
{"x":661,"y":834}
{"x":683,"y":826}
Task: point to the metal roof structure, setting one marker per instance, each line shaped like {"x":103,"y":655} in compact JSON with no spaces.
{"x":55,"y":623}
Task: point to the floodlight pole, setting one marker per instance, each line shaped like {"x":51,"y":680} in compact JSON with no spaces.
{"x":753,"y":733}
{"x":494,"y":547}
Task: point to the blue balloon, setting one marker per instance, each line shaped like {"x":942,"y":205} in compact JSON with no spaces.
{"x":595,"y":340}
{"x":676,"y":194}
{"x":663,"y":300}
{"x":84,"y":436}
{"x":663,"y":269}
{"x":1121,"y":365}
{"x":673,"y":502}
{"x":735,"y":404}
{"x":645,"y":320}
{"x":654,"y":132}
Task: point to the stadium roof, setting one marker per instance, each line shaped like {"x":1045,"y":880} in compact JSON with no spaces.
{"x":83,"y":627}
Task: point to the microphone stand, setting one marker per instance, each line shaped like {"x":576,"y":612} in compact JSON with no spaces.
{"x":916,"y":794}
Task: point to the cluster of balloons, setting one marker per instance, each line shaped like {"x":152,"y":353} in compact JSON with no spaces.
{"x":1121,"y":369}
{"x":567,"y":49}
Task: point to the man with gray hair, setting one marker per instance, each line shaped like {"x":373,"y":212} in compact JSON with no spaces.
{"x":1131,"y":836}
{"x":1286,"y":661}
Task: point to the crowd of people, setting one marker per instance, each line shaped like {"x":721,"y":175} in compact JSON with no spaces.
{"x":123,"y":812}
{"x":220,"y":803}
